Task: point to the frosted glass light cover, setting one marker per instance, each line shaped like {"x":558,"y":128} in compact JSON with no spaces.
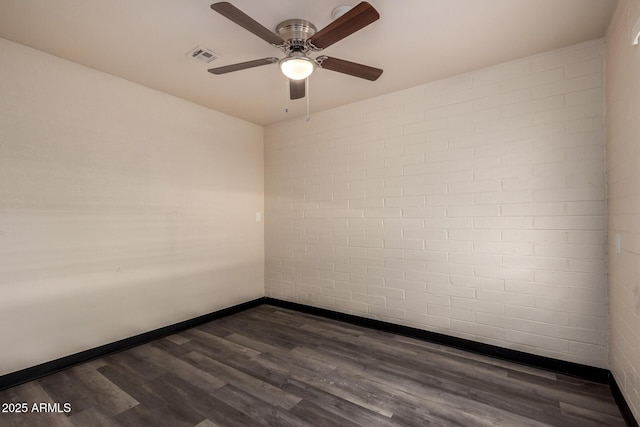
{"x":297,"y":68}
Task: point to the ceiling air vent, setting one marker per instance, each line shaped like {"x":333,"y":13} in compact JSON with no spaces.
{"x":202,"y":55}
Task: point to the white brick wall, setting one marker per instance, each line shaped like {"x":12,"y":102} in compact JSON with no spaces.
{"x":623,"y":166}
{"x":472,"y":206}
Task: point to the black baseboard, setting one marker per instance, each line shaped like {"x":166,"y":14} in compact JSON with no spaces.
{"x":622,"y":403}
{"x":38,"y":371}
{"x":577,"y":370}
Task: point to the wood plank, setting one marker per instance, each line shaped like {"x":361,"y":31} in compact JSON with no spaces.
{"x":133,"y":384}
{"x":313,"y":414}
{"x":587,"y":416}
{"x":111,"y":398}
{"x":184,"y":370}
{"x":94,"y":417}
{"x":337,"y":405}
{"x":257,"y":409}
{"x":192,"y":402}
{"x":258,"y":388}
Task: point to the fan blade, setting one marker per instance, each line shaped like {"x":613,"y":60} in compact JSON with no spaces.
{"x":234,"y":14}
{"x":355,"y":19}
{"x":296,"y":89}
{"x":351,"y":68}
{"x":242,"y":65}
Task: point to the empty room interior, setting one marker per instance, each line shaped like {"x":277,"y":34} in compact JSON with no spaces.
{"x":440,"y":225}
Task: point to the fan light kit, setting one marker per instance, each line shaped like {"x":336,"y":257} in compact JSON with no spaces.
{"x":297,"y":66}
{"x":297,"y":38}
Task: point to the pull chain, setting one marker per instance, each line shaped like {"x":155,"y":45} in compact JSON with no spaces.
{"x":306,"y":89}
{"x":286,"y":98}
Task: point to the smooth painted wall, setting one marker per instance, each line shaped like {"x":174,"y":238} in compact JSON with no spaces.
{"x":623,"y":168}
{"x":122,"y":209}
{"x":472,"y":206}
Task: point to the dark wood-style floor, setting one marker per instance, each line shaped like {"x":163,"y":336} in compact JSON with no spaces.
{"x":271,"y":366}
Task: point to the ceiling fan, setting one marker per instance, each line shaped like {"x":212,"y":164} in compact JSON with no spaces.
{"x":297,"y":38}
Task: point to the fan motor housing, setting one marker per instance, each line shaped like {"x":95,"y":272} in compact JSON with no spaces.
{"x":295,"y":30}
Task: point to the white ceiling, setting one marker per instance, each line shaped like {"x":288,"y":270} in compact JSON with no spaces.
{"x":415,"y":41}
